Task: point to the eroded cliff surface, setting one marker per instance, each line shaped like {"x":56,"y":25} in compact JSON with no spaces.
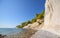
{"x":52,"y":16}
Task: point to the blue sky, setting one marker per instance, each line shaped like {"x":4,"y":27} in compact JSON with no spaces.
{"x":14,"y":12}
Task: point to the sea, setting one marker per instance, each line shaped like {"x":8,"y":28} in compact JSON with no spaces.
{"x":6,"y":31}
{"x":16,"y":32}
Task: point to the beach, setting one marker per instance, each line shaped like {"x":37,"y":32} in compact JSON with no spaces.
{"x":26,"y":33}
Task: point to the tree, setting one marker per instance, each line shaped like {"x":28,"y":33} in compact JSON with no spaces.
{"x":29,"y":22}
{"x":40,"y":16}
{"x":33,"y":20}
{"x":19,"y":26}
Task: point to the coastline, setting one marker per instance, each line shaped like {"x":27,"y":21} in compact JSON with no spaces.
{"x":25,"y":34}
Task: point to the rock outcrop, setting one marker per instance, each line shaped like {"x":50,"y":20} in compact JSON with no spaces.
{"x":52,"y":16}
{"x":51,"y":28}
{"x":36,"y":25}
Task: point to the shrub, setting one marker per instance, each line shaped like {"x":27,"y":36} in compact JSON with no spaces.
{"x":33,"y":20}
{"x":29,"y":22}
{"x":19,"y":26}
{"x":38,"y":16}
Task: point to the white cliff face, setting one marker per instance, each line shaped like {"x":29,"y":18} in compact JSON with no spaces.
{"x":52,"y":16}
{"x":51,"y":28}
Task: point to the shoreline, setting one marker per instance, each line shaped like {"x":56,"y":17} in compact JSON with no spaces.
{"x":24,"y":34}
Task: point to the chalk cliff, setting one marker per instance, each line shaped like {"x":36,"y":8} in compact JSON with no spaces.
{"x":51,"y":28}
{"x":52,"y":16}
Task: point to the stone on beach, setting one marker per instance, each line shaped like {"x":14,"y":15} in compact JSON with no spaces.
{"x":44,"y":34}
{"x":27,"y":33}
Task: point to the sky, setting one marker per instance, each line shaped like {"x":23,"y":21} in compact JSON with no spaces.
{"x":14,"y":12}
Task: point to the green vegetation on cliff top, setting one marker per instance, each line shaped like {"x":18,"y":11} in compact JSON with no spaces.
{"x":38,"y":16}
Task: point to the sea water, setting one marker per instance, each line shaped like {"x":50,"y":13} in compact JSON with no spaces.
{"x":5,"y":31}
{"x":16,"y":33}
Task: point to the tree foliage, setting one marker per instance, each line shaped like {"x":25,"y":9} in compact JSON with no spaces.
{"x":38,"y":16}
{"x":33,"y":20}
